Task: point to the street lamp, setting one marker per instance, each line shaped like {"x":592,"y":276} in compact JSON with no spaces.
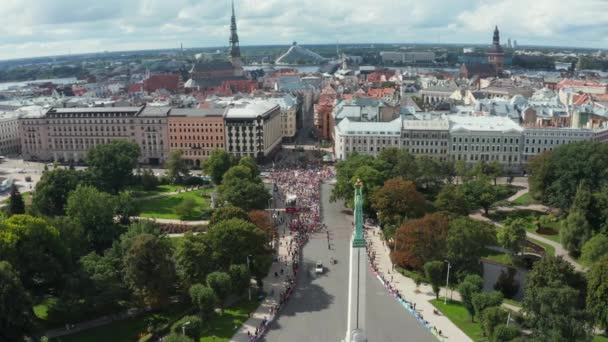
{"x":447,"y":282}
{"x":184,"y":327}
{"x":249,"y":269}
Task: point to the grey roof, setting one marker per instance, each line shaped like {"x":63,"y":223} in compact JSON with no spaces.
{"x":197,"y":112}
{"x":94,"y":110}
{"x":155,"y":111}
{"x":202,"y":66}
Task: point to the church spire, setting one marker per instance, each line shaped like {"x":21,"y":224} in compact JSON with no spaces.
{"x":496,"y":39}
{"x":235,"y":50}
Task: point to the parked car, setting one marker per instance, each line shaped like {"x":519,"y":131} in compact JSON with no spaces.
{"x":319,"y":268}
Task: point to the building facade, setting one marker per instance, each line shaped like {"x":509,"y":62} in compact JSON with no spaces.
{"x":253,"y":129}
{"x":196,"y":132}
{"x":365,"y":137}
{"x":539,"y":140}
{"x":10,"y":141}
{"x":426,"y":137}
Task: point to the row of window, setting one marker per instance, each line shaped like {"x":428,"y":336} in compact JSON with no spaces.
{"x":486,"y":140}
{"x":482,"y":148}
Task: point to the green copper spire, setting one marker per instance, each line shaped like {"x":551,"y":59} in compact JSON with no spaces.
{"x":359,"y":240}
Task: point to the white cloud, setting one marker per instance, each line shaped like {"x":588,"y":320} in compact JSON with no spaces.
{"x":34,"y":27}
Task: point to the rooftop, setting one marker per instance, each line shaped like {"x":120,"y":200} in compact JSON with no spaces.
{"x":197,"y":112}
{"x":348,"y":127}
{"x":461,"y":123}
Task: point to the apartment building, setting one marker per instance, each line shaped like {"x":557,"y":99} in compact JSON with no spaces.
{"x":10,"y":141}
{"x":539,"y":140}
{"x":253,"y":128}
{"x":196,"y":132}
{"x":426,"y":137}
{"x":365,"y":137}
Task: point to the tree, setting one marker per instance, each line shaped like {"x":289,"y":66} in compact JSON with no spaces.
{"x":512,"y":235}
{"x":148,"y":180}
{"x":204,"y":298}
{"x":594,"y":249}
{"x":506,"y":283}
{"x":505,"y":333}
{"x":434,"y":273}
{"x":105,"y":273}
{"x":575,"y":232}
{"x":226,"y":213}
{"x":556,"y":176}
{"x":233,"y":240}
{"x":191,"y":326}
{"x":240,"y":278}
{"x":185,"y":210}
{"x":247,"y":161}
{"x":194,"y":259}
{"x":491,"y":170}
{"x":480,"y":193}
{"x":111,"y":165}
{"x":491,"y":318}
{"x":177,"y":169}
{"x":399,"y":163}
{"x":452,"y":199}
{"x":597,"y":292}
{"x":262,"y":220}
{"x":126,"y":207}
{"x":396,"y":200}
{"x":484,"y":300}
{"x":16,"y":320}
{"x":462,"y":170}
{"x":421,"y":240}
{"x":221,"y":284}
{"x":149,"y":269}
{"x":470,"y":286}
{"x":553,"y":304}
{"x":217,"y":164}
{"x":94,"y":212}
{"x":52,"y":191}
{"x":35,"y":250}
{"x":15,"y":202}
{"x":466,"y":243}
{"x":177,"y":337}
{"x":245,"y":194}
{"x":358,"y":166}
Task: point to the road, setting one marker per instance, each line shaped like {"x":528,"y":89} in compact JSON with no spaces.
{"x":317,"y":309}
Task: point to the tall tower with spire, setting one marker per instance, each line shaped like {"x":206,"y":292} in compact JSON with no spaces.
{"x":496,"y":54}
{"x":235,"y":50}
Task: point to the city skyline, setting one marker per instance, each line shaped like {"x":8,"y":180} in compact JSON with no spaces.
{"x":63,"y":27}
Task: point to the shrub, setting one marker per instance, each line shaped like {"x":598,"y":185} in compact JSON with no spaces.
{"x":191,"y":325}
{"x":506,"y":283}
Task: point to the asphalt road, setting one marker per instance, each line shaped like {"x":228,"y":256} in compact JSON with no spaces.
{"x":317,"y":309}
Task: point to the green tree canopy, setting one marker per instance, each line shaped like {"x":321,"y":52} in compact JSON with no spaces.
{"x":149,"y":269}
{"x":16,"y":319}
{"x":194,"y":258}
{"x":204,"y":298}
{"x":16,"y":205}
{"x":53,"y":189}
{"x":575,"y":231}
{"x":94,"y":212}
{"x":480,"y":193}
{"x":190,"y":325}
{"x":594,"y":249}
{"x":466,"y":242}
{"x":597,"y":292}
{"x":483,"y":300}
{"x":36,"y":251}
{"x":244,"y":190}
{"x":470,"y":286}
{"x":240,"y":278}
{"x":218,"y":163}
{"x":221,"y":284}
{"x":452,"y":199}
{"x":249,"y":162}
{"x":111,"y":165}
{"x":177,"y":169}
{"x":434,"y":273}
{"x":233,"y":240}
{"x":177,"y":337}
{"x":126,"y":207}
{"x":491,"y":318}
{"x":226,"y":213}
{"x":512,"y":235}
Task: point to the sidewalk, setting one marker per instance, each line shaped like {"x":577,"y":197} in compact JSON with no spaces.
{"x":407,"y":287}
{"x":273,"y":286}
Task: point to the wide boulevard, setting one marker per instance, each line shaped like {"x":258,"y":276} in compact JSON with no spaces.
{"x":317,"y":309}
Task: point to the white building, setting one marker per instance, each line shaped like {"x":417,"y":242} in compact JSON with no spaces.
{"x":426,"y":137}
{"x":10,"y":141}
{"x":473,"y":139}
{"x":365,"y":137}
{"x":539,"y":140}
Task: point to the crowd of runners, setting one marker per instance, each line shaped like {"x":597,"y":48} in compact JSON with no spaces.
{"x":303,"y":219}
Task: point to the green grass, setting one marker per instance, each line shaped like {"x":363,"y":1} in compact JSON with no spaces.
{"x":525,"y":199}
{"x":164,"y":207}
{"x":600,"y":338}
{"x":119,"y":331}
{"x":531,"y":217}
{"x":41,"y":310}
{"x":512,"y":302}
{"x":498,"y":257}
{"x":224,"y":326}
{"x":548,"y":248}
{"x":456,"y":313}
{"x":161,"y":189}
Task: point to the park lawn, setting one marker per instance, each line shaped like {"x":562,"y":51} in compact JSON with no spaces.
{"x":531,"y":217}
{"x":456,"y":313}
{"x":498,"y":257}
{"x":600,"y":338}
{"x":223,"y":327}
{"x":161,"y":189}
{"x":120,"y":331}
{"x":525,"y":199}
{"x":164,"y":207}
{"x":41,"y":310}
{"x":548,"y":248}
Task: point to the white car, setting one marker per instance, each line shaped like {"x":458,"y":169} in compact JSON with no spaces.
{"x":319,"y":268}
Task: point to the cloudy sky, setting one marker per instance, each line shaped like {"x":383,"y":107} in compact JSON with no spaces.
{"x":41,"y":27}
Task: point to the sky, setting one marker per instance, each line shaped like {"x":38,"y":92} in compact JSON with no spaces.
{"x":32,"y":28}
